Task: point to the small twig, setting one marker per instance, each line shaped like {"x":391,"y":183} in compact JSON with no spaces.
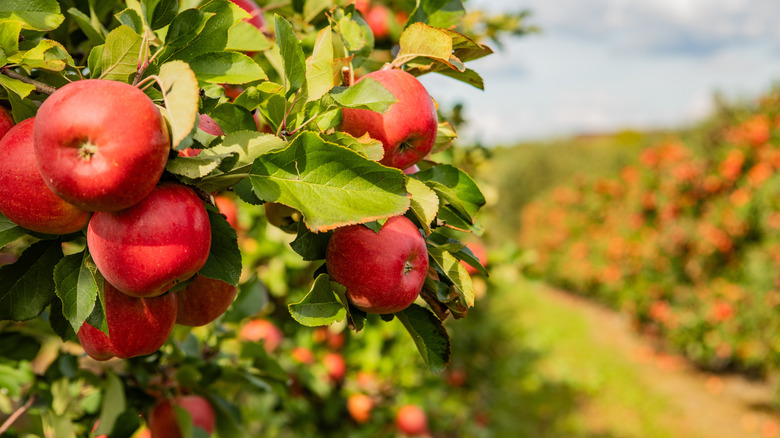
{"x":39,"y":86}
{"x":16,"y":414}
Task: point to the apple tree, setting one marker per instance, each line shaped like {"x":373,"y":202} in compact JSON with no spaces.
{"x":190,"y":188}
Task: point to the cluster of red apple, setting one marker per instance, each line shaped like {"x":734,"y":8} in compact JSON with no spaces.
{"x":93,"y":157}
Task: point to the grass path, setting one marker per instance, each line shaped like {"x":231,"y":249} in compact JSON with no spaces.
{"x":619,"y":385}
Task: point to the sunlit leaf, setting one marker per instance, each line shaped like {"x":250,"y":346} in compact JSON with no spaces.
{"x":121,"y":54}
{"x":330,"y":185}
{"x":35,"y":14}
{"x":319,"y":307}
{"x":181,"y":99}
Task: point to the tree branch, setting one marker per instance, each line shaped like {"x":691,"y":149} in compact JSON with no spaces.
{"x":17,"y":413}
{"x":39,"y":86}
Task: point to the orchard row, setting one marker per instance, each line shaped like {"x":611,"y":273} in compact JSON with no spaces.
{"x":687,"y":240}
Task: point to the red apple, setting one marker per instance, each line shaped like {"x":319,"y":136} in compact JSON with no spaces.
{"x":24,"y":197}
{"x":257,"y":19}
{"x":136,"y":326}
{"x":150,"y":247}
{"x":378,"y":19}
{"x":261,"y":329}
{"x":163,"y":422}
{"x":203,"y":301}
{"x":6,"y":121}
{"x":227,"y":206}
{"x":362,"y":6}
{"x":407,"y":130}
{"x":302,"y":355}
{"x":359,"y":407}
{"x":383,"y":272}
{"x":336,"y":366}
{"x":100,"y":145}
{"x":209,"y":126}
{"x":411,"y":420}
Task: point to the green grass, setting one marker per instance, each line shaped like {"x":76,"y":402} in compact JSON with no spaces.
{"x":557,"y":374}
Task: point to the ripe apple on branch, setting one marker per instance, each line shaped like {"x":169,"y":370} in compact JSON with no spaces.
{"x":127,"y":137}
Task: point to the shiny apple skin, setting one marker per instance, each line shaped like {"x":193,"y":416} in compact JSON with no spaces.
{"x":24,"y":198}
{"x":383,"y":272}
{"x":407,"y":130}
{"x":100,"y":145}
{"x":147,"y":249}
{"x":136,"y":326}
{"x":203,"y":300}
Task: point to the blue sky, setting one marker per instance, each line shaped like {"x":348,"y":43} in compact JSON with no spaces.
{"x":603,"y":65}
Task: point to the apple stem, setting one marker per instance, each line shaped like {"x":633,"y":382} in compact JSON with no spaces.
{"x":39,"y":86}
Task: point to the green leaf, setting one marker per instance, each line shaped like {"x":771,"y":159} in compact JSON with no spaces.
{"x":113,"y":404}
{"x":47,"y":55}
{"x":365,"y":145}
{"x":356,"y":318}
{"x":21,"y":108}
{"x":247,"y":146}
{"x":214,"y":34}
{"x":468,"y":76}
{"x":310,"y":246}
{"x":421,"y":40}
{"x":227,"y":68}
{"x":9,"y":36}
{"x":186,"y":26}
{"x":95,"y":61}
{"x":121,"y":54}
{"x":428,"y":334}
{"x":194,"y":167}
{"x":366,"y":94}
{"x":130,"y":18}
{"x":356,"y":35}
{"x":17,"y":87}
{"x":224,"y":262}
{"x":445,"y":136}
{"x":319,"y":306}
{"x":330,"y":185}
{"x":94,"y":31}
{"x":229,"y":421}
{"x":162,"y":12}
{"x":312,"y":8}
{"x":457,"y":189}
{"x":9,"y":231}
{"x":438,"y":13}
{"x":262,"y":361}
{"x":319,"y":68}
{"x":233,"y":118}
{"x":292,"y":55}
{"x":451,"y":268}
{"x":97,"y":318}
{"x":251,"y":298}
{"x":463,"y":48}
{"x":245,"y":37}
{"x":425,"y":203}
{"x":59,"y":324}
{"x":182,"y":95}
{"x":27,"y":286}
{"x":76,"y":287}
{"x":35,"y":14}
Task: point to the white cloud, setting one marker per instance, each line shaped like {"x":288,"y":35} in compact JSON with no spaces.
{"x":614,"y":64}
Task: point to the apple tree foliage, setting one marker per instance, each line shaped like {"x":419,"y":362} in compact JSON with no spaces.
{"x":281,"y":145}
